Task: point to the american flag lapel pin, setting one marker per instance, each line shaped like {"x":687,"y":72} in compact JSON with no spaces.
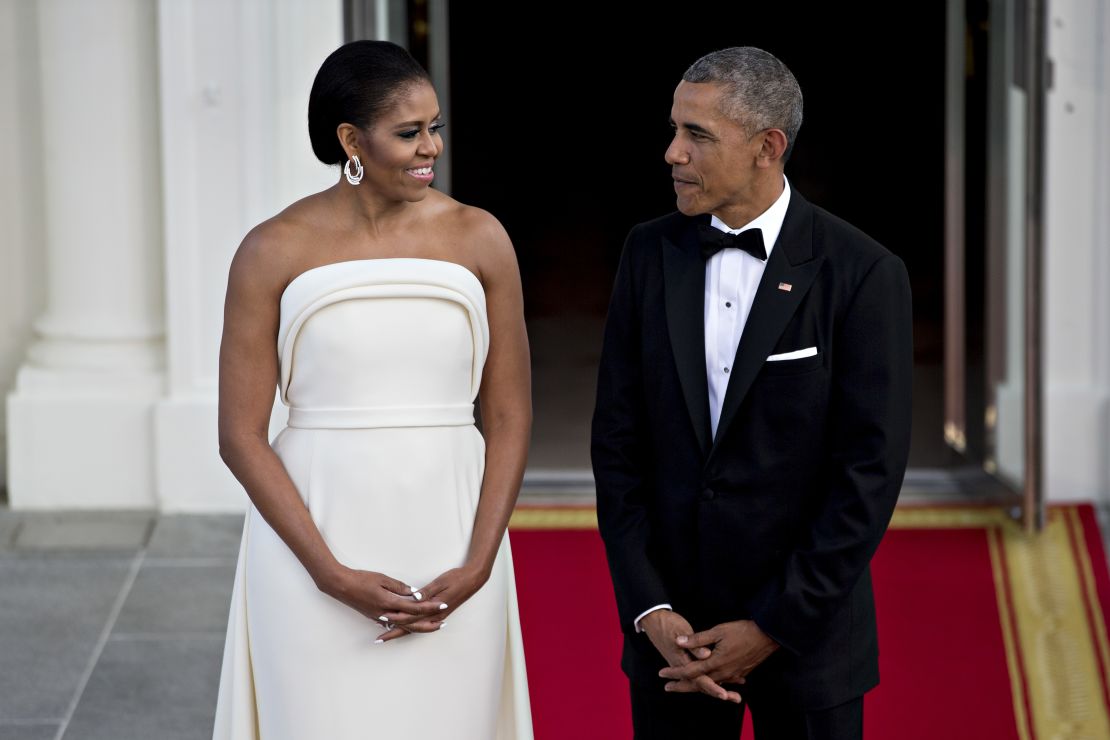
{"x":787,"y":287}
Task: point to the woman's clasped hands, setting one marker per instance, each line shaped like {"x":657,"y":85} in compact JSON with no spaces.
{"x":402,"y":609}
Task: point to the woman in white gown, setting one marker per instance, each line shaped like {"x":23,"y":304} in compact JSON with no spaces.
{"x":380,"y":309}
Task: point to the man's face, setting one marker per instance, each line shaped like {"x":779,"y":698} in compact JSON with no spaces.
{"x":711,"y":156}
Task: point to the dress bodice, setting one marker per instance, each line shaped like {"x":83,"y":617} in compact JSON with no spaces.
{"x":398,"y":334}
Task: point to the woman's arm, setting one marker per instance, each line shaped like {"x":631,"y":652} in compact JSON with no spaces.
{"x":505,"y":398}
{"x":506,"y":404}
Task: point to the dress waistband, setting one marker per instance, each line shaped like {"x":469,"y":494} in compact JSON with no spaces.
{"x":448,"y":415}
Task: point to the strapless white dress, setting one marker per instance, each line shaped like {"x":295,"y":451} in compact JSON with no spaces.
{"x":381,"y":360}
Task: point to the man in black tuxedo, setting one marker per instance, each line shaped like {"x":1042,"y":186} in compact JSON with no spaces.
{"x":751,"y":429}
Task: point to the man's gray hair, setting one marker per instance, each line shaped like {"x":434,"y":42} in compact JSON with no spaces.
{"x":759,"y":91}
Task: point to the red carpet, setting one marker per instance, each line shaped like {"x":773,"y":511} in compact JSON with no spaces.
{"x":571,"y":643}
{"x":984,"y":632}
{"x":942,"y":658}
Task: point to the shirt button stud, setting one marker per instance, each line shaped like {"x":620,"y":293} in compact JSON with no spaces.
{"x":728,"y":304}
{"x":726,"y":369}
{"x":708,"y":494}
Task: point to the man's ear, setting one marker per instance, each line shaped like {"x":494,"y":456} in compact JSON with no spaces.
{"x":772,"y":147}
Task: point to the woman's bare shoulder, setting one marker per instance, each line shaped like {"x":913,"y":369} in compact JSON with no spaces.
{"x":491,"y":245}
{"x":479,"y":237}
{"x":272,"y":253}
{"x":461,"y":220}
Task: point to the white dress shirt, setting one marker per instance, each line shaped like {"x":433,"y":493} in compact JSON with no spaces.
{"x":731,"y":279}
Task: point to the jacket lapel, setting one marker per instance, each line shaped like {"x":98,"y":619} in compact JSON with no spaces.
{"x":684,"y":296}
{"x":792,"y":263}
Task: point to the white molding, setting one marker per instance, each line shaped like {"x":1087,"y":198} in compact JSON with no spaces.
{"x":22,"y":219}
{"x":235,"y":78}
{"x":1077,"y":266}
{"x":1077,"y":423}
{"x":179,"y":152}
{"x":82,"y":440}
{"x":1101,"y":195}
{"x":79,"y":418}
{"x":103,"y":200}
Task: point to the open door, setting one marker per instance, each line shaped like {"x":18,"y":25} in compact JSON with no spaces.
{"x":993,"y":244}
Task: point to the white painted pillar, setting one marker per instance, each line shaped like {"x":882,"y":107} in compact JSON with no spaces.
{"x":235,"y":78}
{"x":1077,"y":257}
{"x":79,"y":420}
{"x":22,"y":263}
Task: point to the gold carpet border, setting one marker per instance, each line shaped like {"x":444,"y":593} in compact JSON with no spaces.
{"x":1045,"y":626}
{"x":585,"y":517}
{"x":1098,"y":619}
{"x":951,"y":517}
{"x":554,"y":517}
{"x":1007,"y":618}
{"x":1055,"y":634}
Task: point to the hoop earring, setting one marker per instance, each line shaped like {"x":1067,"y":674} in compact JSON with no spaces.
{"x":356,"y":178}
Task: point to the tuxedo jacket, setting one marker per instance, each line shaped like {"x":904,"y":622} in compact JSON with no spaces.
{"x":776,"y":518}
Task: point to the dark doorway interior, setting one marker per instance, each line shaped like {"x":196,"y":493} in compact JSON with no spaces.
{"x":559,"y":124}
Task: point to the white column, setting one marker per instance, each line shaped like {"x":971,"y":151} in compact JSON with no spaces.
{"x":79,"y":419}
{"x":1077,"y":258}
{"x":22,"y":263}
{"x":235,"y":78}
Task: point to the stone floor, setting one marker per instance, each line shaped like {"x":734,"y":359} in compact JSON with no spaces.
{"x":112,"y":625}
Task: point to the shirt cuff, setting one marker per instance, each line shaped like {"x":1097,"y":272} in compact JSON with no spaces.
{"x":636,"y":621}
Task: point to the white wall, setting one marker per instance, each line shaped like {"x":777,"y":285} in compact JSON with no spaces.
{"x":22,"y":256}
{"x":79,"y":416}
{"x":235,"y":78}
{"x":227,"y":115}
{"x":1077,"y":270}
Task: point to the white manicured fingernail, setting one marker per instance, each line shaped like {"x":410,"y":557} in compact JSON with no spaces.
{"x":378,"y":642}
{"x":417,"y":595}
{"x":442,"y":607}
{"x":442,"y":625}
{"x":412,"y":589}
{"x":383,"y":618}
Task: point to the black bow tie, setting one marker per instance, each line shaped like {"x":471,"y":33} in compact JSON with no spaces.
{"x":713,"y":240}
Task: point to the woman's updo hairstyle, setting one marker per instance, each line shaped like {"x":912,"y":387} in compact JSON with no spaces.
{"x":356,"y":84}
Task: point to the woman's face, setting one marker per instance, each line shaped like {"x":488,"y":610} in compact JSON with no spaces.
{"x":400,"y":148}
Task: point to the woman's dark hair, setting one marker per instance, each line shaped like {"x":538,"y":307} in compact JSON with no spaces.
{"x":355,"y":85}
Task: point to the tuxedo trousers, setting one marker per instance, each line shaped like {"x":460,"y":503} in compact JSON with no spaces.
{"x":661,"y":715}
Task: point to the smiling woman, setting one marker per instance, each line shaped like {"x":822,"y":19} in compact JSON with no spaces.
{"x":409,"y":146}
{"x":379,"y":308}
{"x":390,"y":121}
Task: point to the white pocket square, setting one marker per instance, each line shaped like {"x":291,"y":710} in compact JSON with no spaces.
{"x":795,"y":355}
